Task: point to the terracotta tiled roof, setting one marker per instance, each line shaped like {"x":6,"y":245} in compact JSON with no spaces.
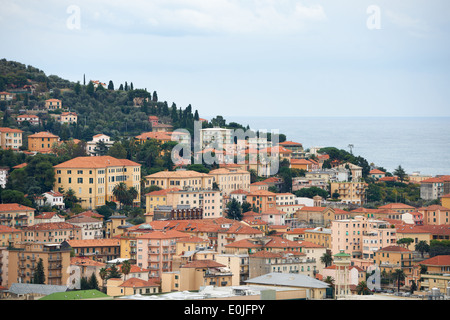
{"x":169,"y":234}
{"x":5,"y":129}
{"x":6,"y":229}
{"x":88,"y":214}
{"x":307,"y":244}
{"x":376,"y":171}
{"x":396,"y":206}
{"x":432,"y":180}
{"x":442,"y":260}
{"x":316,"y":209}
{"x":96,"y":162}
{"x":261,"y":193}
{"x":138,"y":283}
{"x":177,"y":174}
{"x":162,"y":192}
{"x":266,"y":254}
{"x":434,"y":207}
{"x":5,"y":207}
{"x":394,"y":249}
{"x":94,"y":243}
{"x":83,"y":219}
{"x":51,"y":226}
{"x":43,"y":134}
{"x":47,"y":215}
{"x":290,"y":143}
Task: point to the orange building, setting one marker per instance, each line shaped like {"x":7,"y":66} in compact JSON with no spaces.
{"x":53,"y":104}
{"x":263,"y":200}
{"x":42,"y":142}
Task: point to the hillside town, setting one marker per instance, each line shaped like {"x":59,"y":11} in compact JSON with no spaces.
{"x":322,"y":226}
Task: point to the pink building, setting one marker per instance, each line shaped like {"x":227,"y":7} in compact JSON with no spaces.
{"x":155,"y":251}
{"x":361,"y":237}
{"x":274,"y":217}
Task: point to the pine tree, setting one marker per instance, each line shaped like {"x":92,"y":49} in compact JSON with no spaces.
{"x":155,"y":96}
{"x":131,"y":86}
{"x":126,"y":86}
{"x":196,"y":116}
{"x":93,"y":282}
{"x":110,"y":85}
{"x":39,"y":275}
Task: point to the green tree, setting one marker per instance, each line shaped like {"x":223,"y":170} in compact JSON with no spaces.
{"x":103,"y":273}
{"x":77,"y":88}
{"x":400,"y":173}
{"x":101,"y":149}
{"x":118,"y":151}
{"x":113,"y":272}
{"x":38,"y":274}
{"x":234,"y":210}
{"x":110,"y":85}
{"x":326,"y":259}
{"x":120,"y":193}
{"x":422,"y":247}
{"x":84,"y":283}
{"x":405,"y":241}
{"x":90,"y":88}
{"x":362,"y":288}
{"x":246,"y":207}
{"x":93,"y":282}
{"x":399,"y":276}
{"x":125,"y":268}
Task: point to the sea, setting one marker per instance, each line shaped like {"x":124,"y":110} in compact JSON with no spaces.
{"x":419,"y":145}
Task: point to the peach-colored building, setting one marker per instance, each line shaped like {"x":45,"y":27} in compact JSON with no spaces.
{"x":196,"y":274}
{"x":23,"y":258}
{"x":16,"y":215}
{"x":263,"y":200}
{"x":361,"y":237}
{"x":156,"y":250}
{"x":10,"y":138}
{"x":117,"y":287}
{"x":68,"y":117}
{"x":53,"y":104}
{"x":435,"y":215}
{"x":354,"y":275}
{"x":53,"y":232}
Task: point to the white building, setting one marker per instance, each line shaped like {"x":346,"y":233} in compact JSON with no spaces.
{"x":54,"y":199}
{"x":214,"y":137}
{"x":91,"y":145}
{"x":3,"y":176}
{"x":91,"y":228}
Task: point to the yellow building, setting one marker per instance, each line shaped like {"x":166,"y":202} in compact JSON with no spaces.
{"x":10,"y":138}
{"x":115,"y":226}
{"x":16,"y":215}
{"x":24,"y":257}
{"x":437,"y":275}
{"x":445,"y":201}
{"x":93,"y":178}
{"x":391,"y":258}
{"x":231,"y":179}
{"x":42,"y":142}
{"x":350,"y":192}
{"x":8,"y":236}
{"x":117,"y":287}
{"x":196,"y":274}
{"x":320,"y":236}
{"x":98,"y":249}
{"x":180,"y":179}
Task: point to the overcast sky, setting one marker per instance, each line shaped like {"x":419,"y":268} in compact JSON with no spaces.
{"x":247,"y":57}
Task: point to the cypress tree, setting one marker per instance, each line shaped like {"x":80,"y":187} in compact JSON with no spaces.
{"x":39,"y":275}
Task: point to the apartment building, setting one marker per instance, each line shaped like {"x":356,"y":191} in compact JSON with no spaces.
{"x":10,"y":138}
{"x":91,"y":228}
{"x":23,"y":258}
{"x":42,"y":142}
{"x":94,"y":178}
{"x":180,"y":179}
{"x":231,"y":179}
{"x":210,"y":201}
{"x":53,"y":232}
{"x":68,"y":117}
{"x":392,"y":257}
{"x":30,"y":118}
{"x":361,"y":237}
{"x":319,"y":235}
{"x":155,"y":251}
{"x":435,"y":215}
{"x":263,"y":200}
{"x":432,"y":188}
{"x":16,"y":215}
{"x":102,"y":250}
{"x":350,"y":192}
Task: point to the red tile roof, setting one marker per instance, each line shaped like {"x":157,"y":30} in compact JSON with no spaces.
{"x":203,"y":264}
{"x":442,"y":260}
{"x":138,"y":283}
{"x":96,"y":162}
{"x":6,"y":207}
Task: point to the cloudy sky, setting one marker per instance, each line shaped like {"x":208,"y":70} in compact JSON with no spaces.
{"x":247,"y":57}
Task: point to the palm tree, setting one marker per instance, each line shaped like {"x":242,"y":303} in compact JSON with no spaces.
{"x":362,"y":288}
{"x":125,"y":269}
{"x":326,"y":259}
{"x":103,"y":274}
{"x":120,"y":193}
{"x":399,"y":275}
{"x":330,"y":281}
